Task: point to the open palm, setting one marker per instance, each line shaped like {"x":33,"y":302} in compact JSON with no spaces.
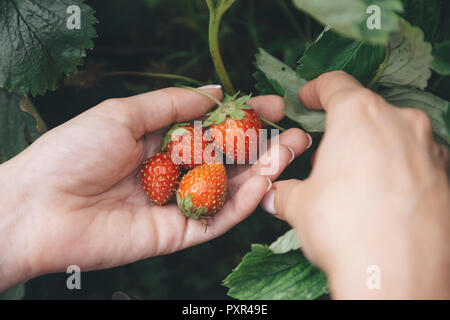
{"x":88,"y":207}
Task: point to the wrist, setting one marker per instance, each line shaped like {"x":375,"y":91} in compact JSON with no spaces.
{"x":392,"y":269}
{"x":15,"y":210}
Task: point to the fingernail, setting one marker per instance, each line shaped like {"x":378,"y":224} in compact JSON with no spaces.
{"x":310,"y":141}
{"x":211,"y":86}
{"x":268,"y":203}
{"x":270,"y":184}
{"x":292,"y":154}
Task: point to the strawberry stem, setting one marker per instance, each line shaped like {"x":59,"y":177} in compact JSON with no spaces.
{"x":215,"y":16}
{"x":153,"y":75}
{"x":270,"y":123}
{"x":381,"y":69}
{"x":219,"y":103}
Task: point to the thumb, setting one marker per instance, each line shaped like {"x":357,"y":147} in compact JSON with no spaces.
{"x":284,"y":200}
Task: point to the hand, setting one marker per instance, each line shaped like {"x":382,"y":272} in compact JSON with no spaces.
{"x":74,"y":197}
{"x":378,"y":195}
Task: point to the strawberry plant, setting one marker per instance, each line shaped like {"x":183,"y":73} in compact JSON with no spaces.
{"x":395,"y":61}
{"x":406,"y":61}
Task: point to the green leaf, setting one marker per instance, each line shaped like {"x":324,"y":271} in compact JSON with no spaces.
{"x":432,"y":105}
{"x":285,"y":82}
{"x":409,"y":59}
{"x":332,"y":51}
{"x":446,"y":120}
{"x":285,"y":243}
{"x":262,"y":274}
{"x":37,"y":47}
{"x":243,"y":100}
{"x":238,"y":114}
{"x":18,"y":128}
{"x":15,"y":293}
{"x":441,"y":58}
{"x":423,"y":14}
{"x":349,"y":17}
{"x":177,"y":130}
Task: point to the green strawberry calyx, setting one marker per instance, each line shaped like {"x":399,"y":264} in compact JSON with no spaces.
{"x":188,"y":209}
{"x":231,"y":106}
{"x":177,"y":130}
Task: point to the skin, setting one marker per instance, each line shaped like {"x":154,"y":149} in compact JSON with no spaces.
{"x":378,"y":195}
{"x":74,"y":197}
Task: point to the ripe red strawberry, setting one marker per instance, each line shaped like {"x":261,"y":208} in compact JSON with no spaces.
{"x":198,"y":145}
{"x":229,"y":124}
{"x":159,"y":178}
{"x":202,"y":191}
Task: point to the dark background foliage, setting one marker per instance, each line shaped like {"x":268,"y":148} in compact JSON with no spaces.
{"x":150,"y":35}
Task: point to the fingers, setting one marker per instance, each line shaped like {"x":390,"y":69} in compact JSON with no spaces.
{"x":282,"y":151}
{"x":157,"y":109}
{"x":271,"y":164}
{"x":419,"y":122}
{"x":324,"y":91}
{"x":236,"y":209}
{"x":269,"y":107}
{"x":284,"y":200}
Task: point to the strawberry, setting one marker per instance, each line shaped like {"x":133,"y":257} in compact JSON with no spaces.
{"x":186,"y":130}
{"x":229,"y":123}
{"x":202,"y":191}
{"x":159,"y":178}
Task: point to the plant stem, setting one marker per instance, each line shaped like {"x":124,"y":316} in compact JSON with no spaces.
{"x":153,"y":75}
{"x":27,"y":106}
{"x":381,"y":69}
{"x":215,"y":16}
{"x":219,"y":103}
{"x":270,"y":123}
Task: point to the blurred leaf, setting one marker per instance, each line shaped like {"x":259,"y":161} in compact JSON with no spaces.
{"x":18,"y":128}
{"x":286,"y":83}
{"x":37,"y":47}
{"x":332,"y":51}
{"x":409,"y":59}
{"x":262,"y":274}
{"x":441,"y":58}
{"x":348,"y":17}
{"x":446,"y":120}
{"x":289,"y":49}
{"x":423,"y":14}
{"x":432,"y":105}
{"x":15,"y":293}
{"x":286,"y":243}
